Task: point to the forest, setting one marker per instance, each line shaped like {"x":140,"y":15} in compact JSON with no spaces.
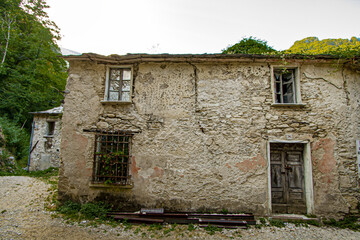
{"x":33,"y":76}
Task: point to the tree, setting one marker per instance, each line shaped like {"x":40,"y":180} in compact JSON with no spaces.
{"x":249,"y":46}
{"x":339,"y":47}
{"x":31,"y":73}
{"x":32,"y":76}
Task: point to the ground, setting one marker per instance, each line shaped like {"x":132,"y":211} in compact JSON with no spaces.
{"x":22,"y":216}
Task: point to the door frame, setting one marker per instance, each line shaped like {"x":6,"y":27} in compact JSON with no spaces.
{"x":308,"y":179}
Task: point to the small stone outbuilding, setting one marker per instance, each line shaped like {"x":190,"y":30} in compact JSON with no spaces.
{"x":245,"y":133}
{"x":46,"y":138}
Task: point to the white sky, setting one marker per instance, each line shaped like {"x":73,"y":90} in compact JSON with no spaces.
{"x":197,"y":26}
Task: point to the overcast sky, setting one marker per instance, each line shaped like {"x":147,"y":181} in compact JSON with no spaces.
{"x":197,"y":26}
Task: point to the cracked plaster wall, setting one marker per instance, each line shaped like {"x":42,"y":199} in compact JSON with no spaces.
{"x":203,"y":134}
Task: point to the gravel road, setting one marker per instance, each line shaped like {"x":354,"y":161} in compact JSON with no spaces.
{"x":22,"y":216}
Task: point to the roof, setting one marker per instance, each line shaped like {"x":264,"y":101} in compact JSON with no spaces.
{"x":53,"y":111}
{"x":136,"y":58}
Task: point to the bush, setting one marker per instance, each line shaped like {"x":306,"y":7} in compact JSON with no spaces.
{"x":79,"y":211}
{"x":16,"y":140}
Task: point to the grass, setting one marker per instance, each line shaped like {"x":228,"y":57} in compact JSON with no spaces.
{"x":45,"y":174}
{"x":88,"y":211}
{"x":212,"y":229}
{"x":350,"y":222}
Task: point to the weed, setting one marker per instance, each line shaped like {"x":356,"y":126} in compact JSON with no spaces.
{"x":77,"y":212}
{"x":348,"y":222}
{"x":277,"y":223}
{"x":191,"y":227}
{"x":262,"y":221}
{"x":154,"y":227}
{"x":224,"y":211}
{"x":126,"y":224}
{"x":173,"y":226}
{"x":137,"y":230}
{"x":212,"y":229}
{"x":311,"y":215}
{"x":314,"y":223}
{"x":166,"y":231}
{"x":3,"y":211}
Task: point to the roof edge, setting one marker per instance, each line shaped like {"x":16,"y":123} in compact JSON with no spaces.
{"x":193,"y":57}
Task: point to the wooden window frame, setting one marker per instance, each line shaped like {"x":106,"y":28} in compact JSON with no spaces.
{"x":296,"y":85}
{"x":120,"y":92}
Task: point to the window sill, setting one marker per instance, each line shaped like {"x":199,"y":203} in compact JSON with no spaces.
{"x":114,"y":102}
{"x":103,"y":185}
{"x":299,"y":105}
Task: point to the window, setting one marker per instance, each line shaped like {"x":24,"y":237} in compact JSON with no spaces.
{"x":112,"y":158}
{"x":50,"y":128}
{"x":286,"y":86}
{"x":118,"y":84}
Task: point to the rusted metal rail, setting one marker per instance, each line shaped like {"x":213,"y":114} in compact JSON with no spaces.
{"x":203,"y":219}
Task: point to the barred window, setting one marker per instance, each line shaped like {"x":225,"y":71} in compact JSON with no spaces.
{"x":112,"y":157}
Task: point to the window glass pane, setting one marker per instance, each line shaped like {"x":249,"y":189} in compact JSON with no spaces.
{"x":113,"y":96}
{"x":126,"y":86}
{"x":126,"y":74}
{"x":115,"y":74}
{"x":125,"y":96}
{"x":287,"y":88}
{"x":114,"y":85}
{"x":288,"y":76}
{"x":288,"y":98}
{"x":278,"y":89}
{"x":277,"y":76}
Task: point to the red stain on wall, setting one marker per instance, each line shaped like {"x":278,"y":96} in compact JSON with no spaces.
{"x":323,"y":159}
{"x":134,"y":168}
{"x":325,"y":163}
{"x":251,"y":164}
{"x":158,"y":172}
{"x":228,"y":165}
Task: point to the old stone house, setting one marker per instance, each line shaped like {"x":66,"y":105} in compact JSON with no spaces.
{"x":45,"y":141}
{"x":246,"y":133}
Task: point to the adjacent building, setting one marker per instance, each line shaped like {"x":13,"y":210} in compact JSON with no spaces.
{"x":45,"y":141}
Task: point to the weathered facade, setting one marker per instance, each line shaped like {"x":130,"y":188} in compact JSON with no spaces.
{"x":46,"y":138}
{"x":210,"y":132}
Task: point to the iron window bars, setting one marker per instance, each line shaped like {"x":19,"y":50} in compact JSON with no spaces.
{"x":112,"y":157}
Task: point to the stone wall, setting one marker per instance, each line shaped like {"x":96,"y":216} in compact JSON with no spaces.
{"x":46,"y":151}
{"x":204,"y":131}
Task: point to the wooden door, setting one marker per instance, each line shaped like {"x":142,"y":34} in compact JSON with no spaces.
{"x":287,"y":178}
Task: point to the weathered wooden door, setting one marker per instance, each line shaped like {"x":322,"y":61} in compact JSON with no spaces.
{"x":287,"y":178}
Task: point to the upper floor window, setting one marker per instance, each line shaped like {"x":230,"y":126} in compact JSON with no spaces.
{"x":118,"y":84}
{"x":50,"y":128}
{"x":286,"y":88}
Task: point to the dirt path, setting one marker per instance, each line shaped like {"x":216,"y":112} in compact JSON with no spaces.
{"x":22,"y":216}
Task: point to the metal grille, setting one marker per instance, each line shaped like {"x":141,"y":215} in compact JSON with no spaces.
{"x":112,"y":157}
